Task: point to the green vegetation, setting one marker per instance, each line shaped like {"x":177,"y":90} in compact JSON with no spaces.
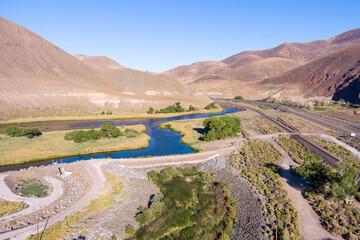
{"x":130,"y":133}
{"x":221,"y":128}
{"x":130,"y":230}
{"x":75,"y":221}
{"x":190,"y":206}
{"x":7,"y":207}
{"x":29,"y":132}
{"x":172,"y":109}
{"x":265,"y":126}
{"x":297,"y":151}
{"x":211,"y":106}
{"x":245,"y":163}
{"x":239,"y":97}
{"x":150,"y":111}
{"x":32,"y":187}
{"x":107,"y":113}
{"x":191,"y":108}
{"x":107,"y":130}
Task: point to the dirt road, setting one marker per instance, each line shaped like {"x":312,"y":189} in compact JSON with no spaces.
{"x":310,"y":227}
{"x":34,"y":203}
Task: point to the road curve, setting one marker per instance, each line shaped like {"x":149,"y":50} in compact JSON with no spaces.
{"x":34,"y":203}
{"x":96,"y":178}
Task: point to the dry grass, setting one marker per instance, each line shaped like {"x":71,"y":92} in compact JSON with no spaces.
{"x":7,"y":207}
{"x":186,"y":129}
{"x":107,"y":117}
{"x":52,"y":144}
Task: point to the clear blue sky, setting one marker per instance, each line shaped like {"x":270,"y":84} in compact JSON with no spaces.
{"x":157,"y":35}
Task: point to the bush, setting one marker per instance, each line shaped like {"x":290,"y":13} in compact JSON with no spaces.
{"x":130,"y":230}
{"x":150,"y":111}
{"x":107,"y":130}
{"x":29,"y":132}
{"x":191,"y":108}
{"x":239,"y":97}
{"x":129,"y":132}
{"x":172,"y":109}
{"x":221,"y":128}
{"x":211,"y":106}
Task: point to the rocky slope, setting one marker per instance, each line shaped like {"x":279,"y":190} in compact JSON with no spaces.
{"x":335,"y":75}
{"x":244,"y":73}
{"x":36,"y":73}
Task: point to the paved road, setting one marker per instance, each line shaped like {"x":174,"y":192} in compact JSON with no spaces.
{"x":34,"y":203}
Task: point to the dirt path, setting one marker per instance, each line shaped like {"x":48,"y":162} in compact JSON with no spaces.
{"x":96,"y":180}
{"x":310,"y":227}
{"x":34,"y":203}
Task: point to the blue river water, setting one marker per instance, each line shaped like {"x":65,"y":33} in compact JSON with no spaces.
{"x":162,"y":142}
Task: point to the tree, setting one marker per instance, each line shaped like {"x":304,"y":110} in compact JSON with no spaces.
{"x":344,"y":187}
{"x":150,"y":111}
{"x":221,"y":128}
{"x":191,"y":108}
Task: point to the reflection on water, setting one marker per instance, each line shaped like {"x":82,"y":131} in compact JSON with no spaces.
{"x":163,"y":141}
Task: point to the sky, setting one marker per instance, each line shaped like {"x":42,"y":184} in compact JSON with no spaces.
{"x":158,"y":35}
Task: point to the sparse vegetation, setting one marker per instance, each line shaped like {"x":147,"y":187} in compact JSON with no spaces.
{"x":191,"y":206}
{"x":284,"y":221}
{"x":191,"y":108}
{"x":211,"y":106}
{"x":221,"y":128}
{"x":297,"y":151}
{"x":32,"y":187}
{"x":29,"y":132}
{"x":7,"y":207}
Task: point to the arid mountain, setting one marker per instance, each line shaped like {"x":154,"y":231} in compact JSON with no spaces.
{"x":336,"y":75}
{"x":243,"y":72}
{"x":302,"y":52}
{"x":36,"y":73}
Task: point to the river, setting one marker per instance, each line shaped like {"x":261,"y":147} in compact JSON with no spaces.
{"x":162,"y":142}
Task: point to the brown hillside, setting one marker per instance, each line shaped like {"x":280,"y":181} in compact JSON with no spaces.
{"x":36,"y":73}
{"x":325,"y":76}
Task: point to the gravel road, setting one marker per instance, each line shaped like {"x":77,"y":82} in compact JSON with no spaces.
{"x":34,"y":203}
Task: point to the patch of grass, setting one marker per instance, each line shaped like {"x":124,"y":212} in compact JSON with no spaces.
{"x":52,"y":144}
{"x":247,"y":166}
{"x":32,"y":187}
{"x":192,"y":206}
{"x":7,"y":207}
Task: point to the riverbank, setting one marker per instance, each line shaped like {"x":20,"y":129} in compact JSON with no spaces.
{"x":186,"y":128}
{"x":107,"y":117}
{"x":50,"y":145}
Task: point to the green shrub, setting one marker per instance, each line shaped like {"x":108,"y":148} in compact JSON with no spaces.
{"x":221,"y":128}
{"x":211,"y":106}
{"x":129,"y":132}
{"x":150,"y":111}
{"x":130,"y":230}
{"x":239,"y":97}
{"x":191,"y":108}
{"x":29,"y":132}
{"x":172,"y":109}
{"x":32,"y":188}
